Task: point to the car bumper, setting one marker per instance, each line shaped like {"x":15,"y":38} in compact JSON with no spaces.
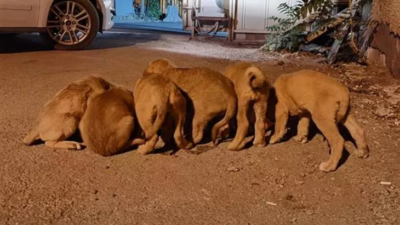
{"x":109,"y":14}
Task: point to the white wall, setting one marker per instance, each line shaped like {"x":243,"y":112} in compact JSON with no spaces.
{"x":252,"y":15}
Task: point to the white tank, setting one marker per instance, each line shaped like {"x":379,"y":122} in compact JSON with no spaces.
{"x":212,"y":8}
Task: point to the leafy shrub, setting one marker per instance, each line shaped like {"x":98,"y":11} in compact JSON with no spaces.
{"x":289,"y":32}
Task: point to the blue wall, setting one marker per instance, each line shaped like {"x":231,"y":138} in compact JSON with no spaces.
{"x":123,"y":7}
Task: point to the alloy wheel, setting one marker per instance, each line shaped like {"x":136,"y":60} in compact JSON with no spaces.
{"x":68,"y":23}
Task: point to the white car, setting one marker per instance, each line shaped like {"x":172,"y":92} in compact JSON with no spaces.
{"x":66,"y":24}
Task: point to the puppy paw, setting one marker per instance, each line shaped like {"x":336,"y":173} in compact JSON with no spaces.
{"x":215,"y":142}
{"x":327,"y":167}
{"x":187,"y":145}
{"x":143,"y":150}
{"x":78,"y":146}
{"x":361,"y":153}
{"x":259,"y":144}
{"x":301,"y":139}
{"x":235,"y":147}
{"x":274,"y":139}
{"x":74,"y":146}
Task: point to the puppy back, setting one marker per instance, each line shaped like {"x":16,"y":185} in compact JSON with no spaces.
{"x":159,"y":66}
{"x":72,"y":99}
{"x":108,"y":122}
{"x":310,"y":89}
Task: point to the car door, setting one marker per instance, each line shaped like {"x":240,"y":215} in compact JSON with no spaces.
{"x":19,"y":13}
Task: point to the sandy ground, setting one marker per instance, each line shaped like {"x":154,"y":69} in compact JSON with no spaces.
{"x":278,"y":184}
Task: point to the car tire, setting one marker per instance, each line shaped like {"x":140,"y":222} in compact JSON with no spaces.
{"x":93,"y":30}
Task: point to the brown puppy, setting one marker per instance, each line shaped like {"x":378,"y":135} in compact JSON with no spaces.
{"x":108,"y":122}
{"x":313,"y":95}
{"x":252,"y":90}
{"x":59,"y":118}
{"x":159,"y":66}
{"x":155,"y":98}
{"x":212,"y":95}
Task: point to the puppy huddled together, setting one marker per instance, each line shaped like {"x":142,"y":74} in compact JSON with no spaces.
{"x":177,"y":104}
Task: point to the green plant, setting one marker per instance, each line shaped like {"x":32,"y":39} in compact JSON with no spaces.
{"x":289,"y":32}
{"x":153,"y":8}
{"x":285,"y":35}
{"x":322,"y":8}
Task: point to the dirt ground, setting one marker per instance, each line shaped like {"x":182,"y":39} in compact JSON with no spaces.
{"x":278,"y":184}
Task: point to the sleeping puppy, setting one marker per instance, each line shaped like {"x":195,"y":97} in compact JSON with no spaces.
{"x":157,"y":100}
{"x":252,"y":90}
{"x":313,"y":95}
{"x":108,"y":123}
{"x":211,"y":93}
{"x":59,"y":118}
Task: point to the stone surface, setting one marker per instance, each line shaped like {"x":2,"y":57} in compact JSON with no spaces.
{"x":387,"y":44}
{"x":386,"y":39}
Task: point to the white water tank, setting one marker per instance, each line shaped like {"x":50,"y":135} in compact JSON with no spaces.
{"x":212,"y":8}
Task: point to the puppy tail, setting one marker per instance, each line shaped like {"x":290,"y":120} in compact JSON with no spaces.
{"x":230,"y":114}
{"x":256,"y":77}
{"x":160,"y":117}
{"x":31,"y":137}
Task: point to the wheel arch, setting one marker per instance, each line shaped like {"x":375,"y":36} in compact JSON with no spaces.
{"x":100,"y":7}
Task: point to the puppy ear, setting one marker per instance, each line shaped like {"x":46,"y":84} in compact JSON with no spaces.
{"x":145,"y":72}
{"x":149,"y":68}
{"x":103,"y":83}
{"x":171,"y":65}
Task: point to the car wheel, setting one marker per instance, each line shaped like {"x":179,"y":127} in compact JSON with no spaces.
{"x":71,"y":24}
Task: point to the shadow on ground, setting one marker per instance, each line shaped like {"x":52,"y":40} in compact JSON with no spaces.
{"x":33,"y":43}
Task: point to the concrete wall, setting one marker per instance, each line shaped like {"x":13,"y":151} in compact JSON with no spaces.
{"x":385,"y":47}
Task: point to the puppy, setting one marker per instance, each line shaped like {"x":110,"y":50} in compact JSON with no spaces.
{"x":59,"y":118}
{"x":159,"y":66}
{"x":155,"y":98}
{"x":252,"y":90}
{"x":211,"y":93}
{"x":108,"y":122}
{"x":313,"y":95}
